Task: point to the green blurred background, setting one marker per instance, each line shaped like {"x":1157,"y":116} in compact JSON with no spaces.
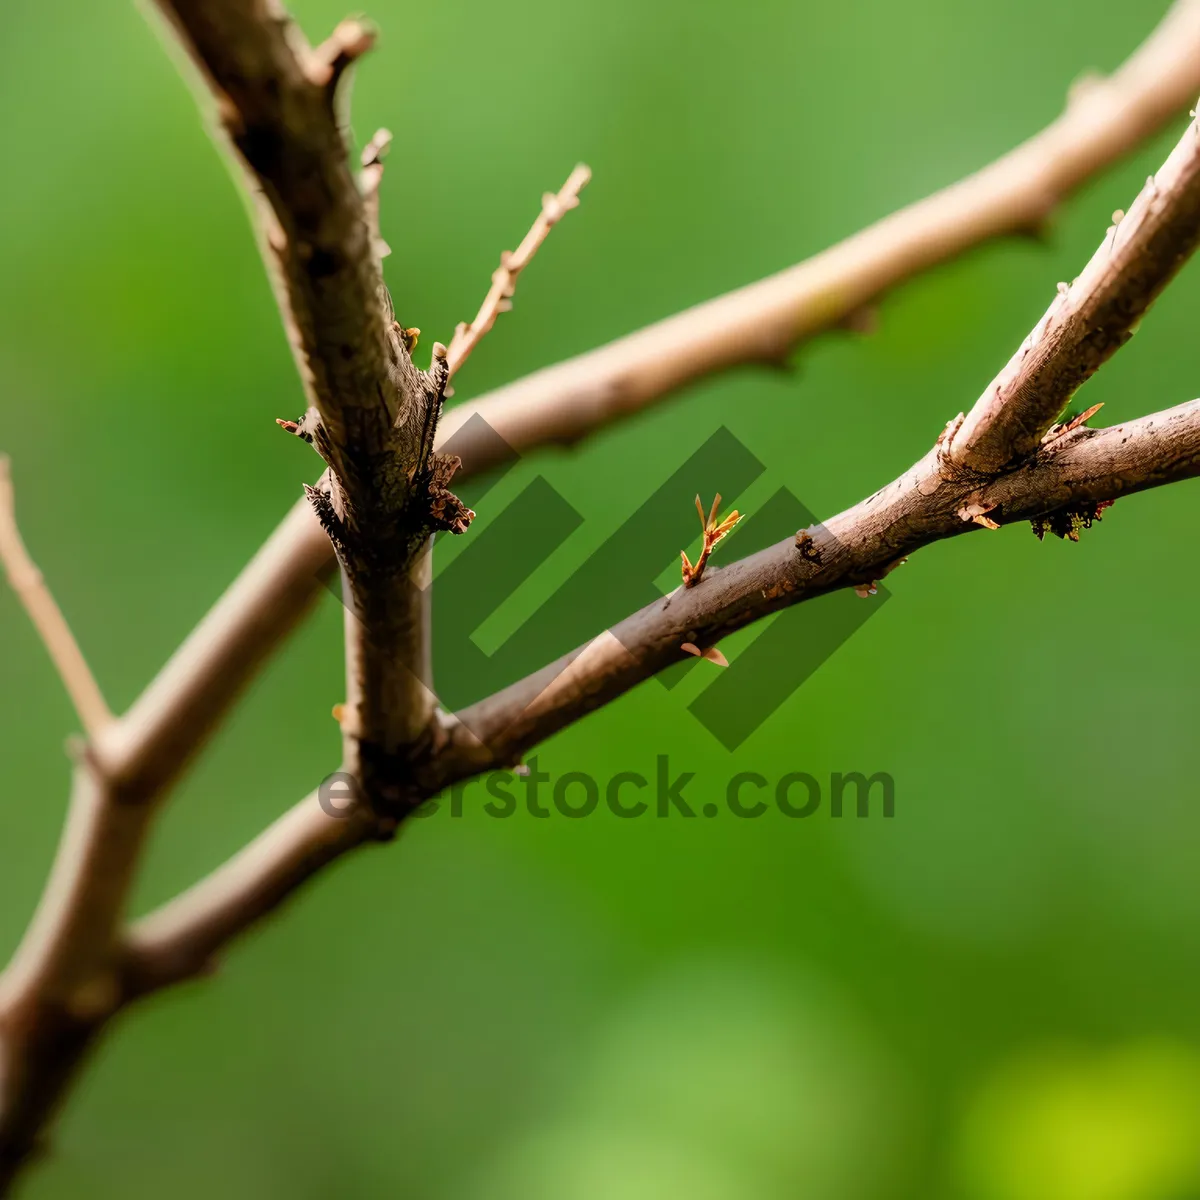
{"x":995,"y":995}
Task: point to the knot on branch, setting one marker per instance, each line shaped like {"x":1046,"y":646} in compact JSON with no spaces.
{"x":809,"y":550}
{"x":408,"y":494}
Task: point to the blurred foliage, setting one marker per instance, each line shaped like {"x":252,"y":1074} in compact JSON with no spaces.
{"x":613,"y":1009}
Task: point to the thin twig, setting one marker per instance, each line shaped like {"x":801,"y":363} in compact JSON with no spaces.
{"x":26,"y":581}
{"x":1090,"y":319}
{"x":852,"y":549}
{"x":766,"y":321}
{"x":555,"y":206}
{"x":344,"y":46}
{"x":183,"y":938}
{"x":713,"y":531}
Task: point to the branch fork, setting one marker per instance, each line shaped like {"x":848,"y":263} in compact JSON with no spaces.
{"x":374,"y":418}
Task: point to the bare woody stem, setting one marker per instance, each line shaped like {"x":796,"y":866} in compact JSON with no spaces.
{"x":853,"y":548}
{"x":1105,"y":119}
{"x":764,"y":322}
{"x":1073,"y":470}
{"x":921,"y":507}
{"x":374,"y":422}
{"x":375,"y":414}
{"x":26,"y":581}
{"x":555,"y":206}
{"x":1090,"y":319}
{"x":274,"y":99}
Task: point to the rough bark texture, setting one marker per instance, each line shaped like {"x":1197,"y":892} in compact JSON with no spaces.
{"x":1091,"y":319}
{"x":373,"y":417}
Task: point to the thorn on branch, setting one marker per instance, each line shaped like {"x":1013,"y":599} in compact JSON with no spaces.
{"x":294,"y":427}
{"x":374,"y":152}
{"x":555,"y":205}
{"x":435,"y":394}
{"x":1069,"y":422}
{"x":713,"y":530}
{"x":311,"y":430}
{"x":439,"y":367}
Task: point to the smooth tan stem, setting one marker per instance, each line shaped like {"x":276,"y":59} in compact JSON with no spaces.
{"x":30,"y":588}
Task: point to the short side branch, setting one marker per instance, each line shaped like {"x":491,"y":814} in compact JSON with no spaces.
{"x":764,"y":322}
{"x":27,"y":582}
{"x":512,"y":262}
{"x":1090,"y":319}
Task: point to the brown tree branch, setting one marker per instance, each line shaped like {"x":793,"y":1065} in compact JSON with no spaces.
{"x":564,"y":403}
{"x":274,"y":102}
{"x":765,"y":321}
{"x":375,"y":414}
{"x":370,"y":179}
{"x":858,"y":546}
{"x":1068,"y":475}
{"x":64,"y":983}
{"x":182,"y":939}
{"x":1090,"y":319}
{"x":30,"y":588}
{"x":1077,"y":472}
{"x":555,"y":206}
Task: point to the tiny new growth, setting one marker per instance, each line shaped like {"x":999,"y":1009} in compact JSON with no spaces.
{"x":713,"y":531}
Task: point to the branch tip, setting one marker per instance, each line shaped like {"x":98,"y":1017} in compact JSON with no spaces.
{"x":349,"y":41}
{"x":1089,"y":319}
{"x":555,"y":205}
{"x":30,"y":588}
{"x":376,"y":149}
